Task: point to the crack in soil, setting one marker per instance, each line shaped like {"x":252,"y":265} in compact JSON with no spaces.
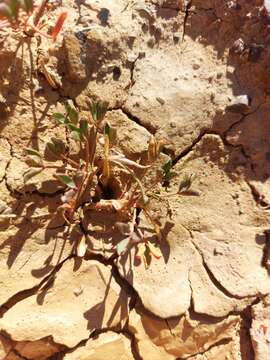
{"x":219,"y":343}
{"x":258,"y":197}
{"x":23,"y":294}
{"x":212,"y":277}
{"x":187,"y":13}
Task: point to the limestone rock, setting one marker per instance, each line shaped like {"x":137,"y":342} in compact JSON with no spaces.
{"x":230,"y":233}
{"x":75,"y":66}
{"x":132,"y":138}
{"x":5,"y":346}
{"x":28,"y":254}
{"x":40,"y":349}
{"x":106,"y":346}
{"x":181,"y":337}
{"x":260,"y":330}
{"x":253,"y":134}
{"x":42,"y":181}
{"x":177,"y":120}
{"x":166,"y":278}
{"x":67,"y":315}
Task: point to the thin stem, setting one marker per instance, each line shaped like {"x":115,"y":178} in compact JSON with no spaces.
{"x":70,"y":161}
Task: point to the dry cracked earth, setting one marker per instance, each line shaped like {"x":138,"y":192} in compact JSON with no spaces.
{"x":197,"y":74}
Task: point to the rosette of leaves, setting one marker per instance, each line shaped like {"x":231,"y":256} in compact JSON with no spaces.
{"x":97,"y":163}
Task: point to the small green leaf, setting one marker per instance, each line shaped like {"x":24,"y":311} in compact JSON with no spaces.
{"x":75,"y":132}
{"x":186,"y":183}
{"x":56,"y":146}
{"x":72,"y":113}
{"x":27,"y":5}
{"x":98,"y":110}
{"x":111,"y":132}
{"x":147,"y":257}
{"x":6,"y":11}
{"x":122,"y":246}
{"x":61,"y":118}
{"x":67,"y":180}
{"x":33,"y":152}
{"x":167,"y":174}
{"x":84,"y":128}
{"x":34,"y":161}
{"x":14,"y":9}
{"x":31,"y":172}
{"x":107,"y":129}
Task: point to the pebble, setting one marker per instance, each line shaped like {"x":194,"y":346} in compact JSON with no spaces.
{"x":241,"y":104}
{"x":160,"y":100}
{"x":78,"y":291}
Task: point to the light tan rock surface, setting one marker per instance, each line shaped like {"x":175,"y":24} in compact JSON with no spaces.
{"x":83,"y":297}
{"x":177,"y":69}
{"x":180,"y":337}
{"x":106,"y":346}
{"x":260,"y":330}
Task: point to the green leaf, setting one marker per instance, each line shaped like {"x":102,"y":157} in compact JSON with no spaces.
{"x":27,"y":5}
{"x":84,"y":128}
{"x":122,"y":246}
{"x":186,"y":183}
{"x":33,"y":152}
{"x":6,"y":11}
{"x":107,"y":129}
{"x":75,"y":132}
{"x":167,"y":174}
{"x":61,"y":118}
{"x":34,"y":161}
{"x":72,"y":113}
{"x":98,"y":110}
{"x":76,"y":135}
{"x":14,"y":9}
{"x":147,"y":256}
{"x":111,"y":132}
{"x":56,"y":146}
{"x":30,"y":173}
{"x":67,"y":180}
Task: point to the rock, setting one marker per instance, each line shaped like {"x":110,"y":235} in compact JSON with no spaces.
{"x":181,"y":337}
{"x":56,"y":311}
{"x":132,"y":138}
{"x":230,"y":234}
{"x":75,"y":66}
{"x":171,"y":4}
{"x":240,"y":105}
{"x":209,"y":299}
{"x":166,"y":277}
{"x":187,"y":99}
{"x":5,"y":346}
{"x":253,"y":134}
{"x":238,"y":46}
{"x":29,"y":253}
{"x":106,"y":346}
{"x":43,"y":182}
{"x":209,"y":245}
{"x":260,"y":330}
{"x":39,"y":349}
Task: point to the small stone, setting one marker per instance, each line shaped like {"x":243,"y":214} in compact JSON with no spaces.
{"x":160,"y":100}
{"x":196,"y":66}
{"x":238,"y":46}
{"x":176,"y":37}
{"x":240,"y":104}
{"x":78,"y":291}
